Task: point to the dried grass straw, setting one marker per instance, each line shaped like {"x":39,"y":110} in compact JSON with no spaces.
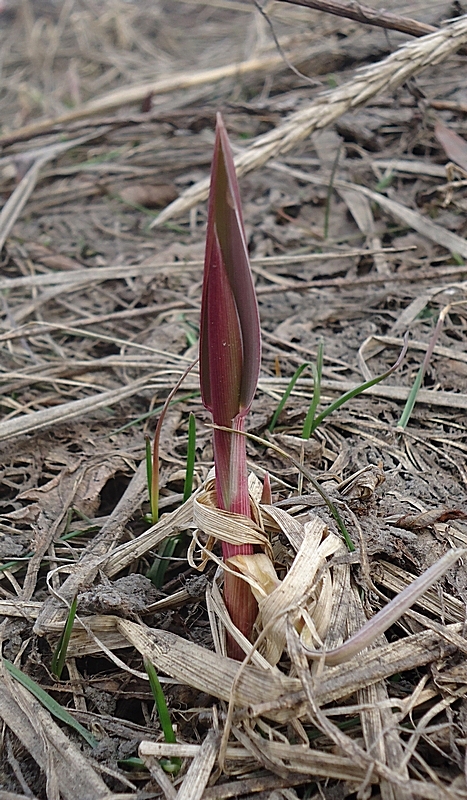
{"x":386,"y":75}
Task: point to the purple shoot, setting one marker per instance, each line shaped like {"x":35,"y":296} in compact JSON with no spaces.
{"x":230,"y":355}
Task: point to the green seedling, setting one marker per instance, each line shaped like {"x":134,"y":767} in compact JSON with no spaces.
{"x":59,"y":657}
{"x":385,"y":182}
{"x":190,"y":458}
{"x":312,"y":421}
{"x":412,"y":398}
{"x":230,"y":357}
{"x":156,"y":573}
{"x":49,"y":703}
{"x":153,"y":470}
{"x":286,"y":394}
{"x":317,"y":377}
{"x":191,"y":331}
{"x":356,"y":391}
{"x":171,"y":765}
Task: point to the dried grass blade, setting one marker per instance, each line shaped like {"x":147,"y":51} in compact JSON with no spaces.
{"x":290,"y":526}
{"x":345,"y":743}
{"x":20,"y":196}
{"x":200,"y":769}
{"x":38,"y":420}
{"x":370,"y":667}
{"x":18,"y":199}
{"x":168,"y":525}
{"x":140,"y":91}
{"x":297,"y":758}
{"x":396,"y":579}
{"x":48,"y":702}
{"x":379,"y":723}
{"x":232,"y":528}
{"x":66,"y":768}
{"x":294,"y":590}
{"x":389,"y":73}
{"x":386,"y":617}
{"x":203,"y":669}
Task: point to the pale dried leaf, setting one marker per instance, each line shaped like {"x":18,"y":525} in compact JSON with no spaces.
{"x":454,"y":145}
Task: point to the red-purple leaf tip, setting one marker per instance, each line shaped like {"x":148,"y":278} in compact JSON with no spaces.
{"x":230,"y":338}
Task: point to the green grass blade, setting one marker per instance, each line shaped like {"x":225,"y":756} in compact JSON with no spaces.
{"x":191,"y":331}
{"x":412,"y":398}
{"x":170,"y":765}
{"x":49,"y":703}
{"x":156,"y":572}
{"x":155,"y":447}
{"x":317,"y":377}
{"x":161,"y":705}
{"x":190,"y":458}
{"x":58,"y":660}
{"x":149,"y":473}
{"x":358,"y":390}
{"x":286,"y":394}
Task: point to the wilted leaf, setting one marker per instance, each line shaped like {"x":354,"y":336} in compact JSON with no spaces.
{"x":454,"y":145}
{"x":148,"y":195}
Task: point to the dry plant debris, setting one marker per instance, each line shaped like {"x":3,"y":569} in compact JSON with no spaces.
{"x":356,"y":235}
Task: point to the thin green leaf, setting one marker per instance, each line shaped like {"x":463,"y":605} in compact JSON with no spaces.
{"x":149,"y":473}
{"x":286,"y":394}
{"x":412,"y":398}
{"x":163,"y":714}
{"x":49,"y":703}
{"x":358,"y":389}
{"x":191,"y":331}
{"x":154,"y":492}
{"x":59,"y":657}
{"x":190,"y":457}
{"x":132,"y":763}
{"x":317,"y":377}
{"x":156,"y":573}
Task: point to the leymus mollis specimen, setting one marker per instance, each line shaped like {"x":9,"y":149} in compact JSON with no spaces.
{"x":230,"y":355}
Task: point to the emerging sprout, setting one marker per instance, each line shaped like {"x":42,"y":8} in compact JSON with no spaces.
{"x":230,"y":356}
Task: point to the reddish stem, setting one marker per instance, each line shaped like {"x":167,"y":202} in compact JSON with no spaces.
{"x":241,"y":605}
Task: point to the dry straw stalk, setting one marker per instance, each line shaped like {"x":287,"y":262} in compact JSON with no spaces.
{"x":384,"y":76}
